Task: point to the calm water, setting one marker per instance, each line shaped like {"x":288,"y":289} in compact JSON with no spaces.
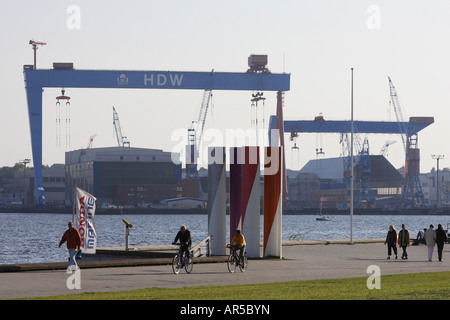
{"x":30,"y":238}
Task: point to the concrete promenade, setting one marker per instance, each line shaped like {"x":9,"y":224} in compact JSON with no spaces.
{"x":306,"y":260}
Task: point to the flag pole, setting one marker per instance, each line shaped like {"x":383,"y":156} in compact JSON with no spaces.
{"x":351,"y":166}
{"x":74,"y":199}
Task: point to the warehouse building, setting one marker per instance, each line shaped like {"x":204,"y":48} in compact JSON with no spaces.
{"x":322,"y":180}
{"x":100,"y":171}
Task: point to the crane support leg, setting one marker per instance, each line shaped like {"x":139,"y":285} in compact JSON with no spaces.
{"x":34,"y":98}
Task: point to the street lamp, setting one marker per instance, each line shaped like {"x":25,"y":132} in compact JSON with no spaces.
{"x":438,"y":157}
{"x":351,"y":167}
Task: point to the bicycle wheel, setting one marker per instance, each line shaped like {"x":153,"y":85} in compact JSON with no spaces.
{"x":243,"y":266}
{"x":189,"y":265}
{"x":231,"y":263}
{"x":176,"y":264}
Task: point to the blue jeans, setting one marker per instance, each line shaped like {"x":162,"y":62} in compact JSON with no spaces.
{"x":404,"y":254}
{"x":72,"y":260}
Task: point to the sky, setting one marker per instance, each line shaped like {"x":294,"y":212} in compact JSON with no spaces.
{"x":317,"y":42}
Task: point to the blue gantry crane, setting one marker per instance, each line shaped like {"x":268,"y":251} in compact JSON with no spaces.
{"x":410,"y":129}
{"x":63,"y":75}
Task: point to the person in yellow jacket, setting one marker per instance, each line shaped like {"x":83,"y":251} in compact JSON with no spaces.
{"x":238,"y":242}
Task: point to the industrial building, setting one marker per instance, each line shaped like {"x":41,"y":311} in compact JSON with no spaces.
{"x":185,"y":203}
{"x":322,"y":180}
{"x":100,"y":171}
{"x":150,"y":195}
{"x":20,"y":188}
{"x":436,"y":187}
{"x":300,"y":186}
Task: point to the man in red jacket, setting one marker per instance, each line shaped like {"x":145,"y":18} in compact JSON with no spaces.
{"x":73,"y":238}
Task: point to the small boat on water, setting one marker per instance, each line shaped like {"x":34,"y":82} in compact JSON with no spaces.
{"x":322,"y":217}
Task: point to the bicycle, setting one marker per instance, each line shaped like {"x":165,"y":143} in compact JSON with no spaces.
{"x":234,"y":260}
{"x":179,"y":261}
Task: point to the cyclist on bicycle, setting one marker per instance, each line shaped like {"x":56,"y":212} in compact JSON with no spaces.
{"x":185,"y":240}
{"x":238,"y":242}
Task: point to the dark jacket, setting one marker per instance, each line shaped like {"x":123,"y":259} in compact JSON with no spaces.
{"x":391,"y":237}
{"x":185,"y":238}
{"x":441,"y":237}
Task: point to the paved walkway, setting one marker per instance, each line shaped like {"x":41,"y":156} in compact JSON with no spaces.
{"x":301,"y":262}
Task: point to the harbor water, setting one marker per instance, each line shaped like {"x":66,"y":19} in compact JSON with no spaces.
{"x":34,"y":238}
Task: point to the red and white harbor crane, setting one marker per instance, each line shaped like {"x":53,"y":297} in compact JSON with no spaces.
{"x":35,"y":45}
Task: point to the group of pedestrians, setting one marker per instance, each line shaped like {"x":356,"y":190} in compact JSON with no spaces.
{"x":432,"y":237}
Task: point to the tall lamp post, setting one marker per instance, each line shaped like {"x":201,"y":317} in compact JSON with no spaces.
{"x":437,"y":158}
{"x":351,"y":168}
{"x":25,"y":162}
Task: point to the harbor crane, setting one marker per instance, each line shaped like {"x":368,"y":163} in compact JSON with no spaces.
{"x":34,"y":44}
{"x":195,"y":133}
{"x":412,"y":187}
{"x":121,"y":140}
{"x":91,"y":141}
{"x":384,"y":149}
{"x":365,"y":196}
{"x":398,"y":111}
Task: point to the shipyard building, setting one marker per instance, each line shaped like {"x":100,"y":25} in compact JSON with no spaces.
{"x":110,"y":173}
{"x":324,"y":180}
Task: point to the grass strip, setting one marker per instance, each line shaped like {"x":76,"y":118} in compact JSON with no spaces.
{"x":413,"y":286}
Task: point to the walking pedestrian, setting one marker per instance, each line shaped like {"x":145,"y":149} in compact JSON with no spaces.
{"x":430,"y":241}
{"x":404,"y":241}
{"x":73,"y":239}
{"x":441,"y":238}
{"x":391,"y":241}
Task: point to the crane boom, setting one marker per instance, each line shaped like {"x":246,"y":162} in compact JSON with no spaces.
{"x":121,"y":140}
{"x":202,"y":116}
{"x":383,"y":151}
{"x":412,"y":187}
{"x":91,"y":141}
{"x":398,"y":111}
{"x":195,"y":133}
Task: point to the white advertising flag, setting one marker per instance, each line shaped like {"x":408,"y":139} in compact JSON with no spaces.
{"x":84,"y":213}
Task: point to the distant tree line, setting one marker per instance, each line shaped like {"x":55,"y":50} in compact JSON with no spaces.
{"x":8,"y":172}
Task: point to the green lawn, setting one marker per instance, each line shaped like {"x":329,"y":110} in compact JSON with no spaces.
{"x":417,"y":286}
